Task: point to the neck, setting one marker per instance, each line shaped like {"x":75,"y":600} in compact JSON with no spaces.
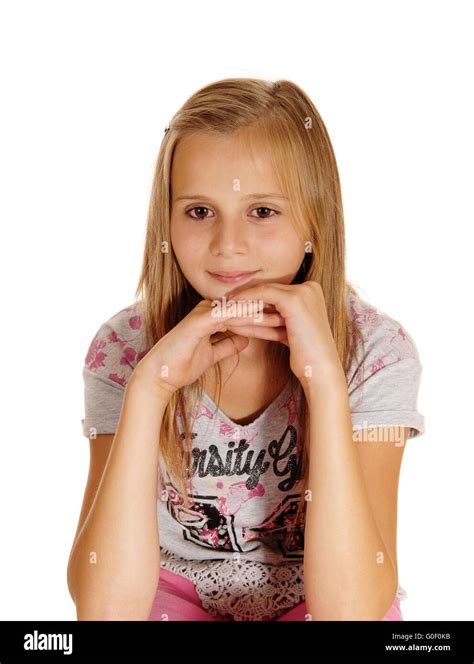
{"x":254,"y":358}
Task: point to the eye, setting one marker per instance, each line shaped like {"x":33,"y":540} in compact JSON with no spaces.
{"x":200,"y":207}
{"x":266,"y":209}
{"x":202,"y":211}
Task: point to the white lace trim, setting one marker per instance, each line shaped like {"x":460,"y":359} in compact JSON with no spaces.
{"x":244,"y":589}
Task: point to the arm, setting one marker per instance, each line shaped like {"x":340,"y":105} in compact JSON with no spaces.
{"x":351,"y":518}
{"x":349,"y":573}
{"x":113,"y":569}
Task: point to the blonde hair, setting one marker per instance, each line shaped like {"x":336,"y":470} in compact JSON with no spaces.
{"x":282,"y":118}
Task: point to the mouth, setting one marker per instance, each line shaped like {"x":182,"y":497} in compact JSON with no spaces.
{"x":232,"y":277}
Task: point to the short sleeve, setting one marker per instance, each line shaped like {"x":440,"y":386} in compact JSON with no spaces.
{"x":384,"y":386}
{"x":113,"y":353}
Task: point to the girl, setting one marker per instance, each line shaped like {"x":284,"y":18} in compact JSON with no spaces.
{"x":248,"y":413}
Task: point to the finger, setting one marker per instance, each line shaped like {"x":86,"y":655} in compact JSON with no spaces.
{"x":210,"y":320}
{"x":266,"y":320}
{"x":249,"y":331}
{"x":273,"y":294}
{"x":259,"y":332}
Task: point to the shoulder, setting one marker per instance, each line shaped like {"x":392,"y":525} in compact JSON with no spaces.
{"x":117,"y":346}
{"x":385,"y":372}
{"x":386,"y":341}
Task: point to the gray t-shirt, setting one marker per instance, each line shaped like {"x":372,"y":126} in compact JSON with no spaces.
{"x":245,"y":483}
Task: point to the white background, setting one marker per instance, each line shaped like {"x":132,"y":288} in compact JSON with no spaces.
{"x":87,"y":89}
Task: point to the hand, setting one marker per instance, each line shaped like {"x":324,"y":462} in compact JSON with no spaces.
{"x":187,"y":351}
{"x":313,"y":353}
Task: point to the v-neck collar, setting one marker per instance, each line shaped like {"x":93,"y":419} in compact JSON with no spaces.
{"x":273,"y":405}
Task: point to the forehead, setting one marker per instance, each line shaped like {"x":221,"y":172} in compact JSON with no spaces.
{"x":204,"y":160}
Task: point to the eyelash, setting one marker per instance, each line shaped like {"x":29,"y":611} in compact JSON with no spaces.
{"x":260,"y":207}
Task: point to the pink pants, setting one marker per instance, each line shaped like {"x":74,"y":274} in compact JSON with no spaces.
{"x":176,"y":599}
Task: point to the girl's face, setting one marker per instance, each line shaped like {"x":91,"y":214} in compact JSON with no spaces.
{"x":229,"y":215}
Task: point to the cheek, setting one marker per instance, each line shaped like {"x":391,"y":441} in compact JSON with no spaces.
{"x":286,"y":246}
{"x":179,"y":245}
{"x":186,"y":245}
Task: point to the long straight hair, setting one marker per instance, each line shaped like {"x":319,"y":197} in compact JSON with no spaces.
{"x":280,"y":117}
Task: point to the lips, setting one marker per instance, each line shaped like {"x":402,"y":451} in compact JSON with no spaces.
{"x":232,"y":277}
{"x":231,"y":274}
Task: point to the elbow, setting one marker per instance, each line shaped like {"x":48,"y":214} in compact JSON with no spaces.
{"x":111,"y":613}
{"x":90,"y":606}
{"x":69,"y":582}
{"x":390,"y":595}
{"x":372,"y":605}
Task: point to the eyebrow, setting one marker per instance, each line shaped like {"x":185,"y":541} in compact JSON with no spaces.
{"x":247,"y":196}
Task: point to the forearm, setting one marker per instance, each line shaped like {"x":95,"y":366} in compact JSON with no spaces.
{"x":347,"y":570}
{"x":113,"y":569}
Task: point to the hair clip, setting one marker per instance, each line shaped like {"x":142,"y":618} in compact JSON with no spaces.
{"x":166,"y":129}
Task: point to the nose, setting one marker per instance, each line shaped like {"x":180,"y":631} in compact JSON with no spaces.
{"x":228,"y":237}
